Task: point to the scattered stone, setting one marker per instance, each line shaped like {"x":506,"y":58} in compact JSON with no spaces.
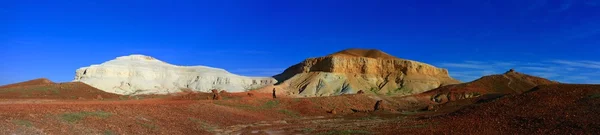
{"x":332,"y":111}
{"x":452,"y":97}
{"x":359,"y":110}
{"x":250,"y":94}
{"x":431,"y":108}
{"x":440,"y":98}
{"x":216,"y":96}
{"x":360,"y":92}
{"x":378,"y":105}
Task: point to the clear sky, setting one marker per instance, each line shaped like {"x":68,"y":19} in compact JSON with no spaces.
{"x":556,"y":39}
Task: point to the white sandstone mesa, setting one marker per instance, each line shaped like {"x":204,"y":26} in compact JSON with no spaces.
{"x":139,"y":74}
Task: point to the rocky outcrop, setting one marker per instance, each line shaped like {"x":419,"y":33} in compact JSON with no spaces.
{"x":352,"y":70}
{"x":139,"y":74}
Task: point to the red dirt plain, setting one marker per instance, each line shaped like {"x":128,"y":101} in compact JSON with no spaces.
{"x":544,"y":109}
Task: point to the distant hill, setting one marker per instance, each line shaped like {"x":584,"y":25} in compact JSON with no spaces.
{"x":511,"y":82}
{"x":140,"y":74}
{"x":38,"y":81}
{"x":45,"y":89}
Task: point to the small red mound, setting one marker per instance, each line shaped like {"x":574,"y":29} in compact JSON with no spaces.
{"x":369,"y":53}
{"x":509,"y":83}
{"x":45,"y":89}
{"x":38,"y":81}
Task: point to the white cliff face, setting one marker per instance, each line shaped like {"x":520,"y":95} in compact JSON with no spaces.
{"x":139,"y":74}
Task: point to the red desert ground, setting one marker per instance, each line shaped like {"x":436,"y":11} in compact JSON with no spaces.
{"x":353,"y":91}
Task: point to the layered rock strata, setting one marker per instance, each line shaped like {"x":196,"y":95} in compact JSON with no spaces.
{"x":352,"y":70}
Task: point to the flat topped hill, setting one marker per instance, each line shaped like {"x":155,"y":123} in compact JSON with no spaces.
{"x":369,"y":53}
{"x":351,"y":70}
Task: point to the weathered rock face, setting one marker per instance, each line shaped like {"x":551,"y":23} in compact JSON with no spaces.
{"x":139,"y":74}
{"x":352,"y":70}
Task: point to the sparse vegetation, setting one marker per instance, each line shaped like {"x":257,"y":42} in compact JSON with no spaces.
{"x":389,"y":93}
{"x":597,"y":95}
{"x":252,"y":87}
{"x":122,"y":97}
{"x":410,"y":112}
{"x":375,"y":90}
{"x":6,"y":90}
{"x":204,"y":125}
{"x":55,"y":91}
{"x":25,"y":123}
{"x":420,"y":125}
{"x":74,"y":117}
{"x":270,"y":104}
{"x":307,"y":130}
{"x":108,"y":132}
{"x":345,"y":132}
{"x":370,"y":117}
{"x":29,"y":90}
{"x":148,"y":125}
{"x":239,"y":106}
{"x":404,"y":91}
{"x":290,"y":113}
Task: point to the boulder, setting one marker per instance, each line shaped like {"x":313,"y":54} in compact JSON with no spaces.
{"x":332,"y":111}
{"x":378,"y":105}
{"x":360,"y":92}
{"x":216,"y":96}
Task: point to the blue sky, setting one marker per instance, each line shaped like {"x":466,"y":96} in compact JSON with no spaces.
{"x":557,"y":39}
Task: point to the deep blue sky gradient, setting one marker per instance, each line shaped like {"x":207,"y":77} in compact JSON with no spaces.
{"x":262,"y":37}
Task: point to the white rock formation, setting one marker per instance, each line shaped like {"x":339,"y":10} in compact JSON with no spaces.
{"x":139,"y":74}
